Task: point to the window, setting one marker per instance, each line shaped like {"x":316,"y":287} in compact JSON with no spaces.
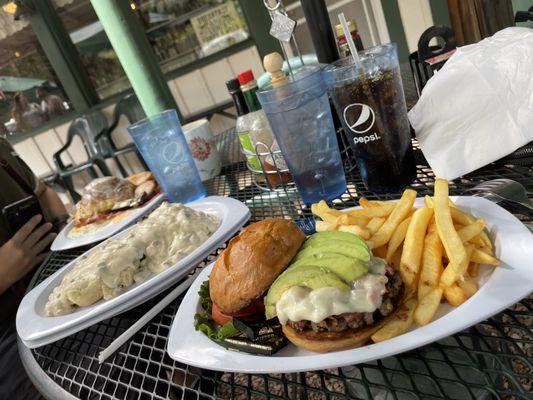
{"x":30,"y":93}
{"x":95,"y":50}
{"x":184,"y":31}
{"x":179,"y":31}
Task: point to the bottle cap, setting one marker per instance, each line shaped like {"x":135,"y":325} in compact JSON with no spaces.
{"x":245,"y":77}
{"x":351,"y":25}
{"x":233,"y":85}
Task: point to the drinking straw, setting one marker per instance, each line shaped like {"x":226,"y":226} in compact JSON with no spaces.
{"x":349,"y":39}
{"x":132,"y":330}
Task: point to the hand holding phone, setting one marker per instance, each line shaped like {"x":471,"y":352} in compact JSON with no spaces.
{"x":24,"y":250}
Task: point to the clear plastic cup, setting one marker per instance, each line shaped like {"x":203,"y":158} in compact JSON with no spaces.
{"x":300,"y":117}
{"x":369,"y":100}
{"x":161,"y":142}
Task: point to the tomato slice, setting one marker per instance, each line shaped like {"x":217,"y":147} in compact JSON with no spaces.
{"x":257,"y":306}
{"x":218,"y":316}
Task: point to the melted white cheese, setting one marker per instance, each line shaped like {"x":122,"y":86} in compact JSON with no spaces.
{"x":170,"y":233}
{"x":300,"y":303}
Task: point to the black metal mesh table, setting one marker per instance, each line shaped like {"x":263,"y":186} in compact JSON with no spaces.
{"x":490,"y":360}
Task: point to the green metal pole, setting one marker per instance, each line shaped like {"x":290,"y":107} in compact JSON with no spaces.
{"x":62,"y":54}
{"x":127,"y":36}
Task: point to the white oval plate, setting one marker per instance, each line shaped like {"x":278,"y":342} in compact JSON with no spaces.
{"x":501,"y":287}
{"x":36,"y":329}
{"x":63,"y":242}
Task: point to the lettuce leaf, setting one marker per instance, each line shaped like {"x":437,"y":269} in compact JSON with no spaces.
{"x":203,"y":321}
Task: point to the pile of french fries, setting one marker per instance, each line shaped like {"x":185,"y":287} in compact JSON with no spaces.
{"x":437,"y":248}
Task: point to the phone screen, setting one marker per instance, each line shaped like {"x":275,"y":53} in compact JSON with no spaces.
{"x":18,"y":213}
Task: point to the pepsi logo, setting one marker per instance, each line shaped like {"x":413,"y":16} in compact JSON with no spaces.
{"x":359,"y":117}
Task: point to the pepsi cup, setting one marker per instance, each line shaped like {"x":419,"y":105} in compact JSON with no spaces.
{"x":369,"y":100}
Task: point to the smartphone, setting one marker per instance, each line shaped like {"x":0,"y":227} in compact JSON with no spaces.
{"x":18,"y":213}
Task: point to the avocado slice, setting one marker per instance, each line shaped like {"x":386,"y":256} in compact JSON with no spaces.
{"x":310,"y":276}
{"x":334,"y":236}
{"x":347,"y":268}
{"x":345,"y":248}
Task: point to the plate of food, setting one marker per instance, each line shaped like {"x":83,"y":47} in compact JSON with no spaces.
{"x":108,"y":205}
{"x":373,"y":281}
{"x":128,"y":268}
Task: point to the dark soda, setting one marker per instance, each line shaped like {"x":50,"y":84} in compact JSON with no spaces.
{"x":371,"y":107}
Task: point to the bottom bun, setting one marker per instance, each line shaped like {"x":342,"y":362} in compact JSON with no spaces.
{"x":325,"y":342}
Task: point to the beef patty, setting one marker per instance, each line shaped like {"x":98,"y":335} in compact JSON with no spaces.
{"x":346,"y":321}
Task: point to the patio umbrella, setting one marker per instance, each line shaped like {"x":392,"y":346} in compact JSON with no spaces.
{"x":15,"y":84}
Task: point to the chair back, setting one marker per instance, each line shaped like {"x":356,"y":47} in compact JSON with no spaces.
{"x":86,"y":127}
{"x":131,"y":108}
{"x":423,"y":70}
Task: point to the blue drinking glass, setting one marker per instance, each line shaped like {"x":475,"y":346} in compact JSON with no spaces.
{"x":161,"y":143}
{"x":300,"y":116}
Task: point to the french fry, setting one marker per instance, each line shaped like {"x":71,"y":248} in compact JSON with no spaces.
{"x":397,"y":238}
{"x":448,"y":235}
{"x":372,"y":212}
{"x":468,"y":285}
{"x":400,"y":212}
{"x":356,"y":230}
{"x":465,"y":219}
{"x":427,"y":306}
{"x":322,"y":207}
{"x":469,"y":232}
{"x":363,"y":202}
{"x":479,"y":256}
{"x":432,"y":227}
{"x":347,"y":219}
{"x":398,"y":324}
{"x":324,"y":226}
{"x":431,"y":265}
{"x":473,"y":269}
{"x":428,"y":200}
{"x":453,"y":273}
{"x":375,"y":224}
{"x":455,"y":295}
{"x":329,"y":217}
{"x":413,"y":244}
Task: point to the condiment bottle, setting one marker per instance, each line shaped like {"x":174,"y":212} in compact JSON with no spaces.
{"x":243,"y":123}
{"x":260,"y":130}
{"x":342,"y":44}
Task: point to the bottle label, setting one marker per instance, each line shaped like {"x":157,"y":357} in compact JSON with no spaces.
{"x":246,"y":143}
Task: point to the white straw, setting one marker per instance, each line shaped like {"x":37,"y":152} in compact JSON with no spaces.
{"x":348,"y":36}
{"x":132,"y":330}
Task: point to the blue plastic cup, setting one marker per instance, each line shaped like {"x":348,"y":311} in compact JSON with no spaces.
{"x":161,"y":142}
{"x":300,"y":116}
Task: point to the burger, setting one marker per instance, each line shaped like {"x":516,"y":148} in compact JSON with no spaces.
{"x":247,"y":267}
{"x":334,"y":295}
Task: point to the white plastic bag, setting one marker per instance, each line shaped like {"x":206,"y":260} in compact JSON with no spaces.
{"x":479,"y":107}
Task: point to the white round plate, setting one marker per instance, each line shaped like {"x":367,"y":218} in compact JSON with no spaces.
{"x":36,"y":329}
{"x":500,"y":288}
{"x":63,"y":242}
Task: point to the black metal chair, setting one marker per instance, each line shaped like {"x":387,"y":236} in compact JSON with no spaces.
{"x":86,"y":127}
{"x":420,"y":69}
{"x":130,"y":107}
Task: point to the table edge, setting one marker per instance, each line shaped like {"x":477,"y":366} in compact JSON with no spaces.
{"x":42,"y":382}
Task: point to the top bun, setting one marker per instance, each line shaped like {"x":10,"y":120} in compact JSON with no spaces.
{"x":252,"y":261}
